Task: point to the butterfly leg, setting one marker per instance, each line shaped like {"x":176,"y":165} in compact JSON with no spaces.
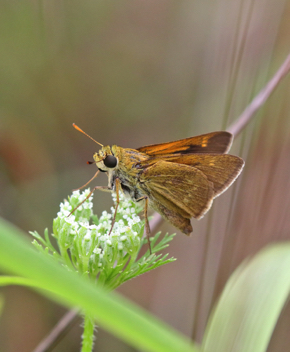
{"x":95,"y":175}
{"x":147,"y":224}
{"x":117,"y":183}
{"x":147,"y":227}
{"x":101,"y":188}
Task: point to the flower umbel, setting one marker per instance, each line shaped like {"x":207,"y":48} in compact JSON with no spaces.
{"x":85,"y":245}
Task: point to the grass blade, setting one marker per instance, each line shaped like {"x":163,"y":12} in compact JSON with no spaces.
{"x":250,"y":305}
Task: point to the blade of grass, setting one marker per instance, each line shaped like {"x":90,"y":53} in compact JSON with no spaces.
{"x":260,"y":99}
{"x":249,"y":307}
{"x":16,"y":280}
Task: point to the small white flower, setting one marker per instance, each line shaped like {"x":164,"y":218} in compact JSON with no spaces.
{"x":115,"y":233}
{"x":64,"y":213}
{"x":87,"y":236}
{"x":87,"y":205}
{"x":84,"y":195}
{"x":84,"y":223}
{"x":70,"y":220}
{"x":105,"y":224}
{"x":120,"y":223}
{"x":65,"y":208}
{"x":123,"y":229}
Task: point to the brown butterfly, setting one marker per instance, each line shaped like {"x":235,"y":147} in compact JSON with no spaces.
{"x":178,"y":179}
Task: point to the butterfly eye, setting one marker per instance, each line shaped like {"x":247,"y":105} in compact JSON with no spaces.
{"x":110,"y":161}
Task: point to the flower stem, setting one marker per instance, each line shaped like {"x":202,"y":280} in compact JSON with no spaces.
{"x":88,"y":334}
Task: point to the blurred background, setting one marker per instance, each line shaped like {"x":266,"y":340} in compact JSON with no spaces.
{"x":134,"y":73}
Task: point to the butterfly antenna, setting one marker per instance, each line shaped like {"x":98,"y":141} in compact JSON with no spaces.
{"x":80,"y":130}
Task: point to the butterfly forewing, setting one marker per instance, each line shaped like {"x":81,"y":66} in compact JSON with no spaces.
{"x":215,"y":142}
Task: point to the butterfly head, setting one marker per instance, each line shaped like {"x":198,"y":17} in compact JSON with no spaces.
{"x":105,"y":159}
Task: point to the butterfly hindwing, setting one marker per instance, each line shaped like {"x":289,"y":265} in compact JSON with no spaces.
{"x":221,"y":170}
{"x":180,"y":189}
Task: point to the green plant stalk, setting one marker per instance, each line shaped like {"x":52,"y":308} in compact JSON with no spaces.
{"x":88,"y":334}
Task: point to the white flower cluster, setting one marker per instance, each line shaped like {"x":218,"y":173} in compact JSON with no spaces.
{"x":89,"y":241}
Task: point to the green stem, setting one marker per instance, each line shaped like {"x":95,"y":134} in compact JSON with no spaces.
{"x":88,"y":334}
{"x":64,"y":254}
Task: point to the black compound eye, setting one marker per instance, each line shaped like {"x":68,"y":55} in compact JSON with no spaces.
{"x":110,"y":161}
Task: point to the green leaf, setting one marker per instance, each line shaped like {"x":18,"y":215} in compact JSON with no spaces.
{"x":115,"y":313}
{"x":16,"y":280}
{"x":250,"y":305}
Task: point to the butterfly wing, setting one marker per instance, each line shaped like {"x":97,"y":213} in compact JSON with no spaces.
{"x":215,"y":142}
{"x":178,"y":192}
